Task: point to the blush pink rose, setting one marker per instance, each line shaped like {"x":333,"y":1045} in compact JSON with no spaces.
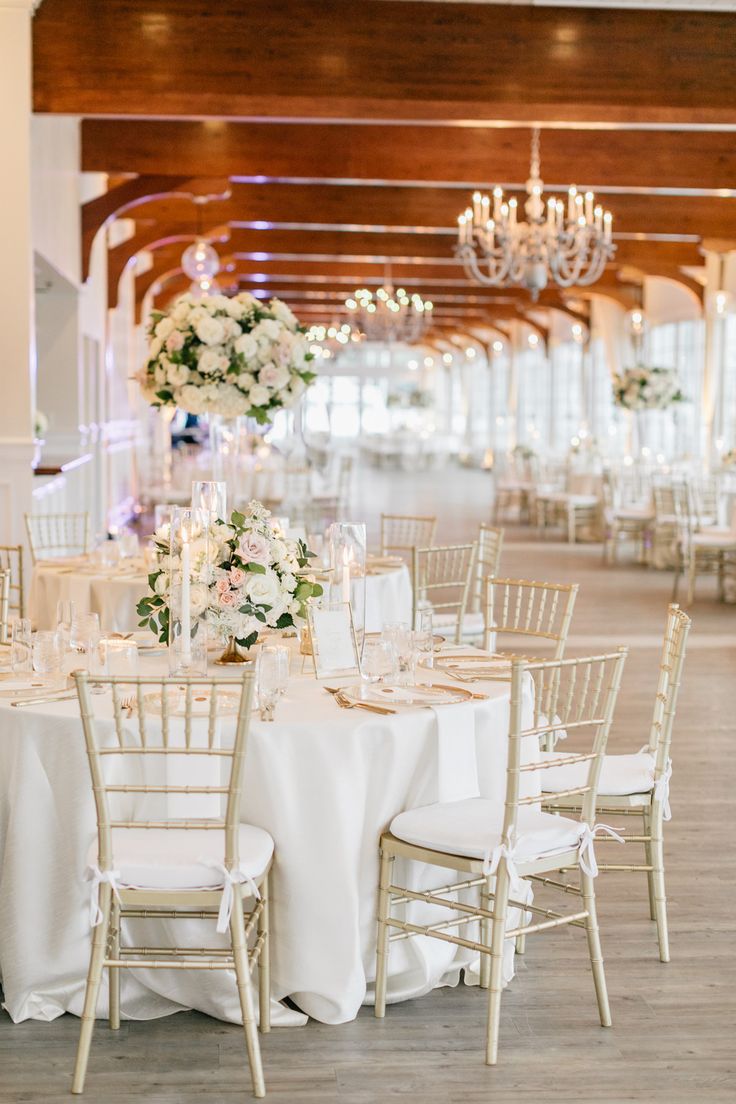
{"x":175,"y":341}
{"x":237,"y":576}
{"x":254,"y":549}
{"x":228,"y":598}
{"x":222,"y":585}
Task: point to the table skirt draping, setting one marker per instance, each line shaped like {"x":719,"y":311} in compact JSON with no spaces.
{"x":324,"y":782}
{"x":114,"y":596}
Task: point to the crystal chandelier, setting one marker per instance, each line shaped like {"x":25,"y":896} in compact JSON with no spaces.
{"x":389,"y":315}
{"x":568,"y":244}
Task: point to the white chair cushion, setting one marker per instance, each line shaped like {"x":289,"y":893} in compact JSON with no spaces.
{"x":473,"y":828}
{"x":634,"y":513}
{"x":181,"y":858}
{"x":472,"y":623}
{"x":723,"y":538}
{"x":620,"y":774}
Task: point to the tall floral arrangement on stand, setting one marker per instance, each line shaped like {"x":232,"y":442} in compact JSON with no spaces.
{"x":255,"y":579}
{"x":229,"y":356}
{"x":647,"y":388}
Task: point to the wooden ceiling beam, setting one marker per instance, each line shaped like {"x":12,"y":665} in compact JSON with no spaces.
{"x":466,"y":61}
{"x":456,"y":155}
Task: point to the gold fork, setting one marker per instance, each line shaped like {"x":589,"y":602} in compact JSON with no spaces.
{"x":345,"y":703}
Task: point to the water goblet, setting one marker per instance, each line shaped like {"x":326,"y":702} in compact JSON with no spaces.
{"x":65,"y":611}
{"x":273,"y":678}
{"x":378,"y":660}
{"x":47,"y":655}
{"x":21,"y":642}
{"x":84,"y":635}
{"x":399,"y":634}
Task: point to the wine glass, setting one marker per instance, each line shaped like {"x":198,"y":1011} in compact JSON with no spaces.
{"x":423,"y":638}
{"x":21,"y":642}
{"x":399,"y":635}
{"x":378,"y":660}
{"x":65,"y":611}
{"x":84,"y":635}
{"x":273,"y":678}
{"x":47,"y":655}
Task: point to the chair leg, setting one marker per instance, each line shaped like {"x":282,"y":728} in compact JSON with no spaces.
{"x":691,"y":579}
{"x":660,"y":898}
{"x":382,"y":942}
{"x":594,"y":948}
{"x":94,"y":979}
{"x":648,"y":855}
{"x":264,"y":960}
{"x":114,"y":975}
{"x":245,"y":992}
{"x":498,"y":936}
{"x":485,"y":934}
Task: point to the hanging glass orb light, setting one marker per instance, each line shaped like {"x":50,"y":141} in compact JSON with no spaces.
{"x":200,"y":261}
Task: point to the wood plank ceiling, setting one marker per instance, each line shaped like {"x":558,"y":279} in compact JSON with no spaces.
{"x":332,"y":140}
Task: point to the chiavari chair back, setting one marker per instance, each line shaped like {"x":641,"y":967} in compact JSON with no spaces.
{"x":638,"y":785}
{"x":11,"y":560}
{"x":5,"y":608}
{"x":522,"y":613}
{"x":495,"y":851}
{"x":167,"y":779}
{"x":442,"y":578}
{"x":402,"y":533}
{"x":52,"y":535}
{"x":490,"y":543}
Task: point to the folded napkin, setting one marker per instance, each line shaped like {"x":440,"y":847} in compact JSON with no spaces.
{"x":457,"y":766}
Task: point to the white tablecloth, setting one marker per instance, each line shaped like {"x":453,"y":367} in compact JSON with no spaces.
{"x":115,"y":594}
{"x":324,"y":782}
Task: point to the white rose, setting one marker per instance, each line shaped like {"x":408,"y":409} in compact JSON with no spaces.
{"x":280,"y":311}
{"x":267,"y":328}
{"x":274,"y":376}
{"x":155,"y":348}
{"x":164,"y":328}
{"x":263,"y":590}
{"x":247,"y":345}
{"x":161,"y":585}
{"x":245,"y":381}
{"x":199,"y":598}
{"x":181,"y":311}
{"x":216,"y":302}
{"x":235,"y":309}
{"x":212,"y":360}
{"x":177,"y":375}
{"x":210,"y":330}
{"x":159,"y":374}
{"x":259,"y":395}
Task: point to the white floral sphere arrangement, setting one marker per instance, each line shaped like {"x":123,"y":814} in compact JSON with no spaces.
{"x":229,"y":356}
{"x":643,"y":388}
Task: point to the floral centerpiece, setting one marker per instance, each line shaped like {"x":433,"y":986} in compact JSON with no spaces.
{"x":643,"y":388}
{"x":246,"y":577}
{"x":230,"y":356}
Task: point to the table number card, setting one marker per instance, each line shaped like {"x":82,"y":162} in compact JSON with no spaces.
{"x":334,"y":646}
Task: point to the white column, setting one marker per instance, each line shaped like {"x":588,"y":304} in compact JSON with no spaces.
{"x":714,"y":359}
{"x":17,"y":364}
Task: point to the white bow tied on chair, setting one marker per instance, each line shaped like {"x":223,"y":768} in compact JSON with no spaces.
{"x":662,"y":791}
{"x":586,"y":850}
{"x":490,"y":864}
{"x":97,"y":877}
{"x":230,"y":879}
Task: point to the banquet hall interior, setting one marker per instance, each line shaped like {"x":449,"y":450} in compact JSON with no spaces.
{"x":368,"y":551}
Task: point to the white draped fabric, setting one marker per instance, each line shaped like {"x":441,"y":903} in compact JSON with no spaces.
{"x":114,"y":595}
{"x":322,"y":781}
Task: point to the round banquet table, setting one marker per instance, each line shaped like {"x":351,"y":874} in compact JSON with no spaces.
{"x":114,"y":593}
{"x":324,"y":782}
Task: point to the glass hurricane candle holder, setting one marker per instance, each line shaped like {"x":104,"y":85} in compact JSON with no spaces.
{"x":209,"y":496}
{"x":189,"y":577}
{"x":347,"y":543}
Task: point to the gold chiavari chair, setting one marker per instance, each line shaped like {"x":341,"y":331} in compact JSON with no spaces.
{"x":5,"y":588}
{"x":11,"y":560}
{"x":402,"y":533}
{"x":625,"y":517}
{"x":490,"y":543}
{"x":518,"y":611}
{"x":638,"y":785}
{"x":442,"y":577}
{"x":496,"y":849}
{"x":57,"y":535}
{"x":148,"y":862}
{"x":702,"y":549}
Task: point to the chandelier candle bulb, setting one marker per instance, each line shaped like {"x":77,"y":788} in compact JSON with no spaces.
{"x":607,"y":226}
{"x":571,"y":197}
{"x":485,"y":208}
{"x":476,"y":206}
{"x":589,"y":206}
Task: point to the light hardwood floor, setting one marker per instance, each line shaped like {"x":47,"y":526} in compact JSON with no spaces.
{"x":674,"y":1026}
